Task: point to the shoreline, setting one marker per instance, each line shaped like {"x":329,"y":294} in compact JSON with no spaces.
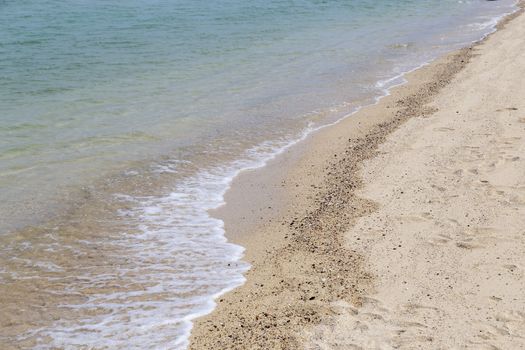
{"x":91,"y":234}
{"x":291,"y":264}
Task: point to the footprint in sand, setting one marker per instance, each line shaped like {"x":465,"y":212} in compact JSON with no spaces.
{"x":444,"y":129}
{"x":507,"y":109}
{"x":440,"y":239}
{"x":468,"y":245}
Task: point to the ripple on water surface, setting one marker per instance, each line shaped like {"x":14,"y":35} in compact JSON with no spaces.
{"x":94,"y":88}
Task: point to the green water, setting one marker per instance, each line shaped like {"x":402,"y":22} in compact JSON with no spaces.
{"x":87,"y":86}
{"x":195,"y":89}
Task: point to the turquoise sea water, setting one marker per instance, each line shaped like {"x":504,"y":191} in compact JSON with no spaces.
{"x":88,"y":85}
{"x":196,"y":90}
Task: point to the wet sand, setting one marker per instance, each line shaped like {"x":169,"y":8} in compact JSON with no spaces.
{"x":400,"y":227}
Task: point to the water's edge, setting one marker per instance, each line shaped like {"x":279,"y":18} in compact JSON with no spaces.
{"x":151,"y":221}
{"x":386,"y":85}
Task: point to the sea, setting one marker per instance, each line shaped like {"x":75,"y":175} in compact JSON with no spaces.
{"x":123,"y":123}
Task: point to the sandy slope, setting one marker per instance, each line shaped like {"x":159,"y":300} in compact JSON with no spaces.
{"x":447,"y":243}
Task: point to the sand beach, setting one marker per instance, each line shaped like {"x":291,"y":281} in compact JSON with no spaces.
{"x":402,"y":226}
{"x":262,"y":175}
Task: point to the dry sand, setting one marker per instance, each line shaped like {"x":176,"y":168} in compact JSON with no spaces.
{"x":401,"y":227}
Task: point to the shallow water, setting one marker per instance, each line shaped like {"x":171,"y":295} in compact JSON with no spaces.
{"x":123,"y":123}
